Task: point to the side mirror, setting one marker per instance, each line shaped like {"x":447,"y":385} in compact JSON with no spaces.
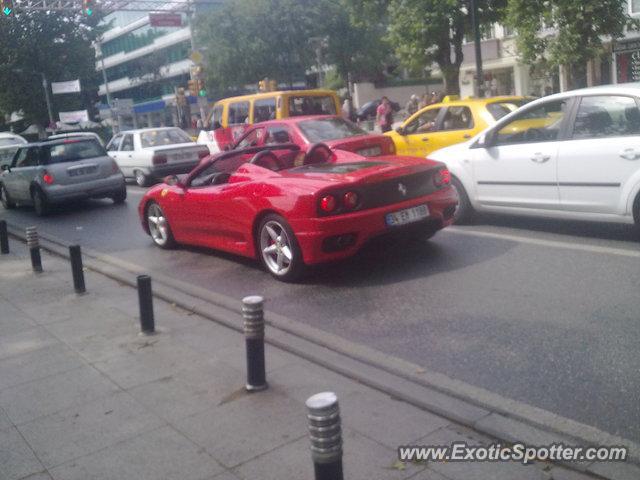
{"x":400,"y":130}
{"x":483,"y":141}
{"x":173,"y":180}
{"x":5,"y":168}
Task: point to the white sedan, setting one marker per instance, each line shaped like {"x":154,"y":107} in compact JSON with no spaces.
{"x":573,"y":155}
{"x":149,"y":154}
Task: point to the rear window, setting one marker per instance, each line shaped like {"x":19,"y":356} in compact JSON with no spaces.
{"x":159,"y":138}
{"x":72,"y":151}
{"x":316,"y":105}
{"x":329,"y":129}
{"x":500,"y":109}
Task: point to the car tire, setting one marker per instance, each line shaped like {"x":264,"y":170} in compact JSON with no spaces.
{"x":636,"y":213}
{"x":274,"y":239}
{"x":7,"y":203}
{"x":121,"y":196}
{"x":40,"y":202}
{"x":159,"y":227}
{"x":142,"y":180}
{"x":464,"y":211}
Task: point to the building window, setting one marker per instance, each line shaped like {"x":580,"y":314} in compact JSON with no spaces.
{"x":634,"y":6}
{"x":138,"y":38}
{"x":172,"y":54}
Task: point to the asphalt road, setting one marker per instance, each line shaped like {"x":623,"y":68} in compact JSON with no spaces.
{"x":544,"y":312}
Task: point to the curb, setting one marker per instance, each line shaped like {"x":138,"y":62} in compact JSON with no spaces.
{"x":483,"y":411}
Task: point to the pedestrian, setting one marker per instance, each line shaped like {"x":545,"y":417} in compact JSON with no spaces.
{"x":346,"y":109}
{"x":412,"y":105}
{"x":384,"y":115}
{"x":424,"y":101}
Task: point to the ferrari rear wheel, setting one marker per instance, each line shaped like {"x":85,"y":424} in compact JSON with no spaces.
{"x":279,"y":250}
{"x":159,"y":228}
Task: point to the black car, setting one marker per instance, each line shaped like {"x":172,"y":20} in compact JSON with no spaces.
{"x":368,"y":110}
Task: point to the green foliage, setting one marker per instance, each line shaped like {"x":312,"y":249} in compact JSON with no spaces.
{"x":58,"y":45}
{"x":565,"y":32}
{"x":428,"y":31}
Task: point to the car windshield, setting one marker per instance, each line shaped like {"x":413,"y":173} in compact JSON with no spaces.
{"x":71,"y":151}
{"x":158,"y":138}
{"x":311,"y":105}
{"x":325,"y":129}
{"x":501,"y":109}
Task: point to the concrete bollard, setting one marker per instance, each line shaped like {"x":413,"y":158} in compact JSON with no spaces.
{"x":34,"y":248}
{"x":145,"y":299}
{"x":4,"y":238}
{"x":253,"y":314}
{"x":75,"y":255}
{"x":325,"y":433}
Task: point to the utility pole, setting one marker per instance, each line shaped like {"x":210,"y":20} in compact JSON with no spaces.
{"x":106,"y":83}
{"x":45,"y":85}
{"x":475,"y":21}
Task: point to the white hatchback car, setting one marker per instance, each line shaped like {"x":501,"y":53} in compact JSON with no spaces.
{"x":573,"y":155}
{"x":150,"y":154}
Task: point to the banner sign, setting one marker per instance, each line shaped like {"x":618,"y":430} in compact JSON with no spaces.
{"x":72,"y":86}
{"x":165,"y":19}
{"x":74,"y":117}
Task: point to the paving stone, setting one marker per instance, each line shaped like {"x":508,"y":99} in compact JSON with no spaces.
{"x":37,"y":364}
{"x":386,"y":420}
{"x":192,"y":390}
{"x":13,"y":320}
{"x":161,"y":454}
{"x":17,"y":460}
{"x":34,"y":399}
{"x":246,"y":426}
{"x":428,"y":474}
{"x":226,"y":476}
{"x":4,"y":420}
{"x":38,"y":476}
{"x":616,"y":470}
{"x":560,"y":473}
{"x":26,"y":341}
{"x":81,"y":430}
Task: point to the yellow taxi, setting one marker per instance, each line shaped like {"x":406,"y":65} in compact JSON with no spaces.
{"x":452,"y":121}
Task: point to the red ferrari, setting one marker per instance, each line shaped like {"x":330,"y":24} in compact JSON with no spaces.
{"x":289,"y":212}
{"x":332,"y":130}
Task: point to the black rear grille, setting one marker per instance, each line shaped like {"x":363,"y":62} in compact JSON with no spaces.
{"x":398,"y":189}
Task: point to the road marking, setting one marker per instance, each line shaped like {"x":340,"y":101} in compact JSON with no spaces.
{"x":621,"y":252}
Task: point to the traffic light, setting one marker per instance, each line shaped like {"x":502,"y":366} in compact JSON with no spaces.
{"x":192,"y":86}
{"x":202,"y":89}
{"x":7,"y":7}
{"x":87,"y":7}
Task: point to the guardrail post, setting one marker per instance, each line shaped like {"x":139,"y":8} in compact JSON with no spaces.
{"x":4,"y":238}
{"x":325,"y":433}
{"x":34,"y":248}
{"x":75,"y":255}
{"x":253,"y":314}
{"x":145,"y":299}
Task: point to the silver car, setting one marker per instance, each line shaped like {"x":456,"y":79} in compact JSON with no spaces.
{"x":42,"y":174}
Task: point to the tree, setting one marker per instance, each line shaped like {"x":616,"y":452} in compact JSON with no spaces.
{"x":552,"y":33}
{"x":248,"y":40}
{"x":148,"y":70}
{"x":428,"y":31}
{"x":58,"y":45}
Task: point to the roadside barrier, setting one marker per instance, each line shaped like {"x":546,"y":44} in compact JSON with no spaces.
{"x":145,"y":299}
{"x":34,"y":248}
{"x":75,"y":255}
{"x":4,"y":238}
{"x":253,"y":314}
{"x":325,"y":433}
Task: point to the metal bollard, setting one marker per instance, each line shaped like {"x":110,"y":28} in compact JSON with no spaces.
{"x":75,"y":255}
{"x":4,"y":238}
{"x":252,"y":312}
{"x":325,"y":433}
{"x":145,"y":299}
{"x":34,"y":248}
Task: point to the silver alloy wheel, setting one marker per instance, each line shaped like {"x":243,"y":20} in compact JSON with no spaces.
{"x":457,"y":209}
{"x":158,"y":226}
{"x":275,"y":246}
{"x":3,"y":197}
{"x":141,"y":178}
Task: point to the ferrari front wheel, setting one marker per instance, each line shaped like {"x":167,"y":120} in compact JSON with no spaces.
{"x":159,"y":228}
{"x":279,"y":249}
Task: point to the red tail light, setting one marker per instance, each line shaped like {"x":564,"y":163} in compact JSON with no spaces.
{"x":114,"y":167}
{"x":442,"y":177}
{"x":48,"y":178}
{"x":350,"y":200}
{"x":203,"y":153}
{"x":159,"y":159}
{"x":328,"y":203}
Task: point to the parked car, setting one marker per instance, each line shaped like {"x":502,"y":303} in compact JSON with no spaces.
{"x":42,"y":174}
{"x":230,"y":117}
{"x":9,"y":143}
{"x":333,"y":130}
{"x":573,"y":155}
{"x":442,"y":124}
{"x":149,"y":154}
{"x":369,"y":109}
{"x":292,"y":216}
{"x":93,"y":135}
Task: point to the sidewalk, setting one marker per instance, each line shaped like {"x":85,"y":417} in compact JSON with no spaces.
{"x":83,"y":396}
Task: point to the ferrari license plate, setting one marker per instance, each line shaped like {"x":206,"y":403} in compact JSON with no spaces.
{"x":408,"y":215}
{"x":370,"y":152}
